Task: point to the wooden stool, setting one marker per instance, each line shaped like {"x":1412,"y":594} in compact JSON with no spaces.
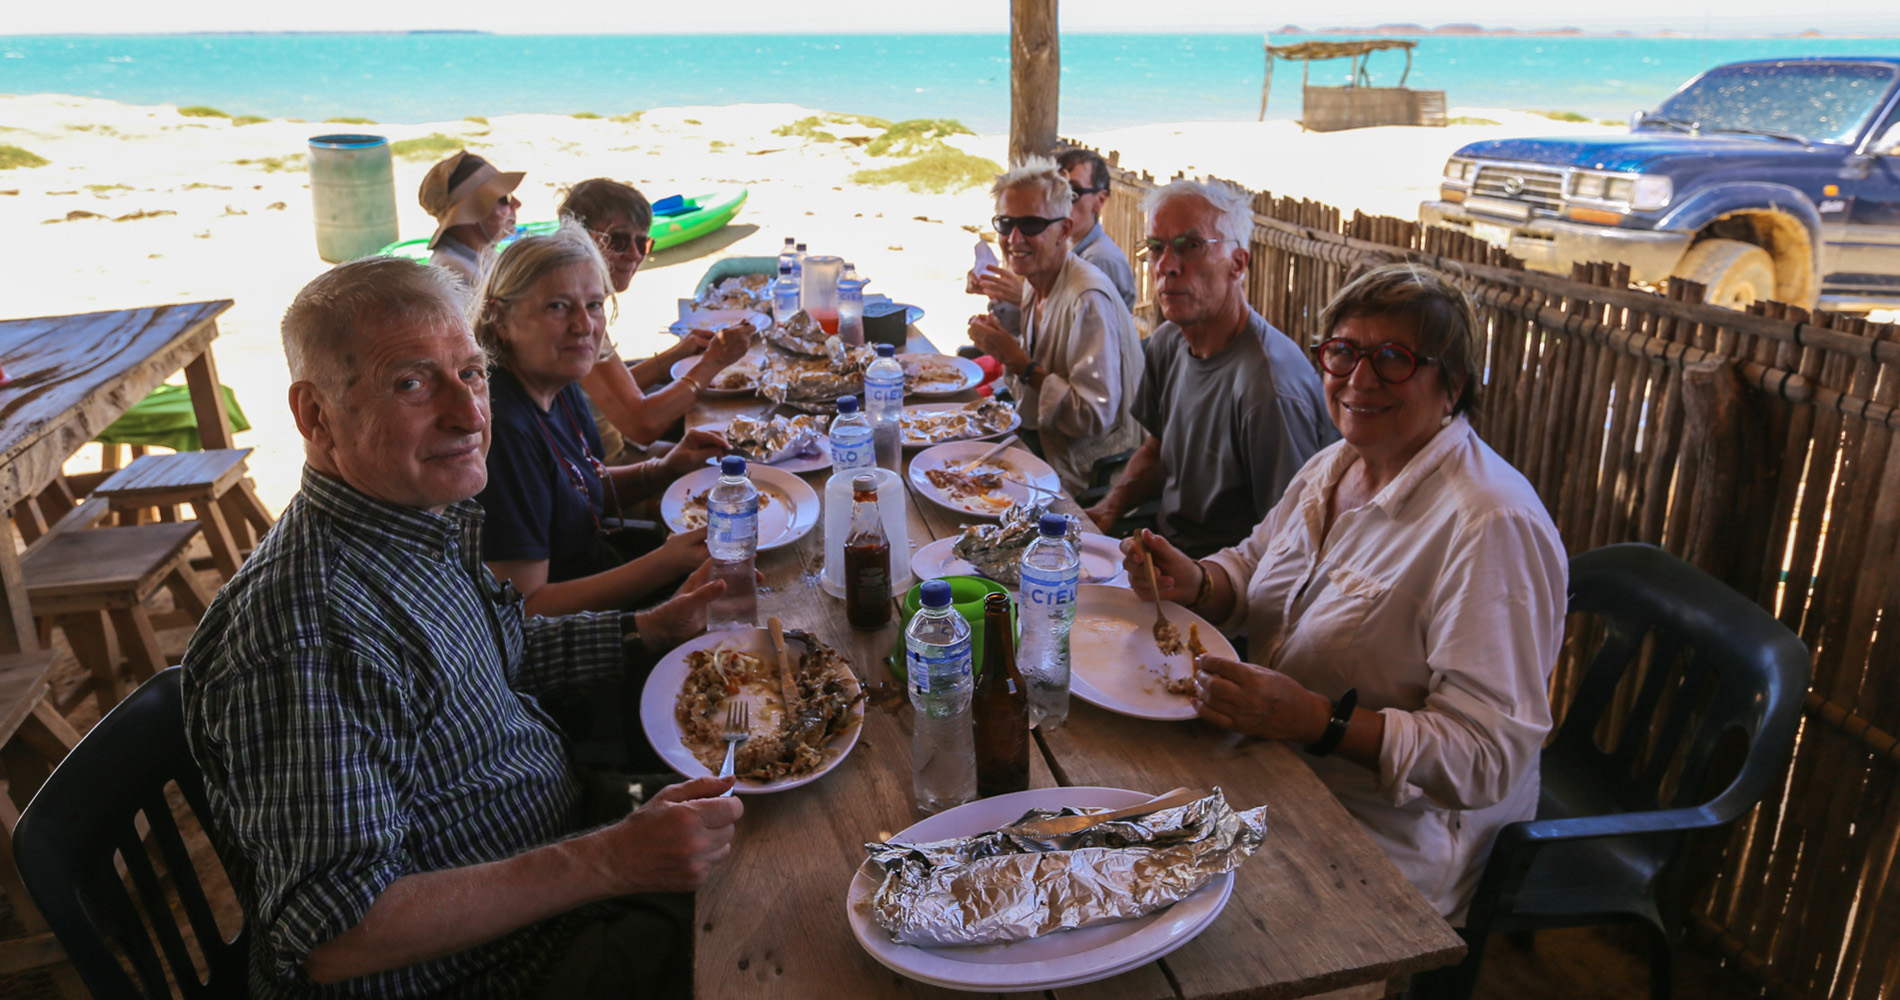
{"x":212,"y":482}
{"x":74,"y":577}
{"x":33,"y":738}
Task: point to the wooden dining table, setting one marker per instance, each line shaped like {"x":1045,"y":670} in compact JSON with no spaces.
{"x":1317,"y":911}
{"x":66,"y":379}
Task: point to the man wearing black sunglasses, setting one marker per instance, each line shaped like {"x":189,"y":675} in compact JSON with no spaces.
{"x":1077,"y":362}
{"x":1088,"y":178}
{"x":1231,"y":406}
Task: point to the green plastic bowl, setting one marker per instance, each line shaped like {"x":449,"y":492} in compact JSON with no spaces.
{"x":966,"y":595}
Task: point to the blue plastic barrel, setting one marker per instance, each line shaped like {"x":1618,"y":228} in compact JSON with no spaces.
{"x":353,"y":190}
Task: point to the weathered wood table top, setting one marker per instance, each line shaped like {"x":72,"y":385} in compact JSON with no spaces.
{"x":1319,"y":908}
{"x":68,"y":377}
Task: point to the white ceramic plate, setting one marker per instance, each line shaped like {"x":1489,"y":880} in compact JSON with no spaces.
{"x":1016,"y":465}
{"x":1067,"y":958}
{"x":753,"y":359}
{"x":1101,"y":561}
{"x":1015,"y":421}
{"x":792,"y":512}
{"x":950,"y":374}
{"x":805,"y":461}
{"x":1113,"y":662}
{"x":661,"y":694}
{"x":718,"y":319}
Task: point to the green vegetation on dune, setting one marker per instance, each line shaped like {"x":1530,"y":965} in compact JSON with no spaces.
{"x":1563,"y":116}
{"x":629,"y":118}
{"x":814,"y":127}
{"x":583,"y":114}
{"x":477,"y":119}
{"x":349,"y":120}
{"x":916,"y":137}
{"x":941,"y":170}
{"x":13,"y":156}
{"x":275,"y":164}
{"x":201,"y":111}
{"x":1466,"y":120}
{"x":428,"y":147}
{"x":248,"y":120}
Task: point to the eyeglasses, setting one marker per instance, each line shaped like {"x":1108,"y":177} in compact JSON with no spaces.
{"x":1083,"y":192}
{"x":1393,"y":363}
{"x":1031,"y":225}
{"x":1190,"y":245}
{"x":623,"y":242}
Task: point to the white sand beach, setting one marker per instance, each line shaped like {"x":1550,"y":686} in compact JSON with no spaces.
{"x":142,"y":205}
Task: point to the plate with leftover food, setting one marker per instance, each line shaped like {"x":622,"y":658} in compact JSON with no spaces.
{"x":925,"y":424}
{"x":943,"y":473}
{"x":718,"y":319}
{"x":1115,"y":664}
{"x":741,"y":378}
{"x":683,"y":708}
{"x":788,"y":508}
{"x":792,"y":444}
{"x":1101,"y":561}
{"x":938,"y":374}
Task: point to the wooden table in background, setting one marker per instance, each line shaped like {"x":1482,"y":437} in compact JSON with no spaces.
{"x":1318,"y":909}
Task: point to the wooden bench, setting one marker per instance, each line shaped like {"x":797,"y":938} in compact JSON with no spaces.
{"x":33,"y":739}
{"x":211,"y":482}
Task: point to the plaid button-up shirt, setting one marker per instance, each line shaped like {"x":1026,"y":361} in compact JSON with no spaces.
{"x":361,"y":699}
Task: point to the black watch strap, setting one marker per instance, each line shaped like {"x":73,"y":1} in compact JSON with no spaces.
{"x":1336,"y":726}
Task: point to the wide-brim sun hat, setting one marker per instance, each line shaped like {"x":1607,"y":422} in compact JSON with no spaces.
{"x":462,"y":190}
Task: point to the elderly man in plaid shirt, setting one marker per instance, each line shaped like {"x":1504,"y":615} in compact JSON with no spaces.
{"x":399,"y":810}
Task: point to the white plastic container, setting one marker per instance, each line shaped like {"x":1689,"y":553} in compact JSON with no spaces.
{"x":896,"y":517}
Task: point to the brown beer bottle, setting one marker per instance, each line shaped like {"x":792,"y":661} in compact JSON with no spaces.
{"x":1000,"y":707}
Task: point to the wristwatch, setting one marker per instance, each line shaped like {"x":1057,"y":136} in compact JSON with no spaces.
{"x":1335,"y":726}
{"x":1029,"y":370}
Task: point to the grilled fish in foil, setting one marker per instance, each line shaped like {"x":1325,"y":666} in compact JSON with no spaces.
{"x":996,"y":550}
{"x":808,"y":380}
{"x":745,"y":291}
{"x":999,"y":886}
{"x":799,"y":334}
{"x":776,"y":439}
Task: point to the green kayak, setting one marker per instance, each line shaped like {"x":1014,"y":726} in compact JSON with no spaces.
{"x":677,"y":220}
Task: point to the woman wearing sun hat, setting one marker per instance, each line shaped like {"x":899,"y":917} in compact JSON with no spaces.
{"x":474,"y":205}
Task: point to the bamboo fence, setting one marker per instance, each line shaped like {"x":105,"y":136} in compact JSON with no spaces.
{"x":1759,"y":446}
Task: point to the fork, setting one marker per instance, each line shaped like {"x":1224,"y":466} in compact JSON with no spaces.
{"x":1167,"y":637}
{"x":738,"y":730}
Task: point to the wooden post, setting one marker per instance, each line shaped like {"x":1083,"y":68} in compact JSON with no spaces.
{"x":1035,"y":78}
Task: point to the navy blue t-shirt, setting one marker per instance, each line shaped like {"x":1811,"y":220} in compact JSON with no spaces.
{"x":543,"y":493}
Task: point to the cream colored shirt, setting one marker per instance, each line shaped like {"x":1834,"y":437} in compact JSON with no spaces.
{"x":1442,"y":601}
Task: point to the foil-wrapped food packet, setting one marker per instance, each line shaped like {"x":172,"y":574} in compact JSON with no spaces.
{"x":999,"y":886}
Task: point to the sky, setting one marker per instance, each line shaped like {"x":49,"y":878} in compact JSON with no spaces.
{"x":1718,"y":17}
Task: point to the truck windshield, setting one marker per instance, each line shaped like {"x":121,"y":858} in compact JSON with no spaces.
{"x":1825,"y":102}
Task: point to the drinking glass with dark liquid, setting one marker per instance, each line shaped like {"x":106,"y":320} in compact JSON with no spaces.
{"x":999,"y":710}
{"x":867,"y":560}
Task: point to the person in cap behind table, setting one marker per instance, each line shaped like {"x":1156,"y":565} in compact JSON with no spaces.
{"x":1232,"y":406}
{"x":1404,"y":601}
{"x":620,"y":220}
{"x":1077,"y":363}
{"x":398,"y":808}
{"x":551,"y":500}
{"x":474,"y":206}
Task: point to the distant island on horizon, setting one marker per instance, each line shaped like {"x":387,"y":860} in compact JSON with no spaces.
{"x":1406,"y":30}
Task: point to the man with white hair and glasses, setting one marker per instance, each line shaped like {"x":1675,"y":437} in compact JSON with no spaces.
{"x":1232,"y":407}
{"x":1077,"y":361}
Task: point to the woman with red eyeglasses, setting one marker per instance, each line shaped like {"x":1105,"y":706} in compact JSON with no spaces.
{"x":620,"y":219}
{"x":1403,"y":602}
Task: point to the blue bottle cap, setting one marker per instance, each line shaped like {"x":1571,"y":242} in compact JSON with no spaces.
{"x":1053,"y":525}
{"x":732,"y":465}
{"x":886,"y":350}
{"x":936,"y":593}
{"x":847,"y":404}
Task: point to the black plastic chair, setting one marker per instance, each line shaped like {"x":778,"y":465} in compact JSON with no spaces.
{"x":1708,"y":730}
{"x":85,"y":813}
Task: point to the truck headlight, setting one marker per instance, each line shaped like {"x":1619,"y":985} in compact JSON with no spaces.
{"x":1459,"y":171}
{"x":1588,"y":186}
{"x":1651,"y":192}
{"x":1619,"y":188}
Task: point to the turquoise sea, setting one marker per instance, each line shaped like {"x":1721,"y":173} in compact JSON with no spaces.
{"x":1108,"y":80}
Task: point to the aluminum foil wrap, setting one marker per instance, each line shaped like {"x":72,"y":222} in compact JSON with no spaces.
{"x":996,"y":550}
{"x":999,"y":886}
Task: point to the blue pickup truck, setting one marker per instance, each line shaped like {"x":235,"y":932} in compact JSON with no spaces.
{"x":1772,"y":179}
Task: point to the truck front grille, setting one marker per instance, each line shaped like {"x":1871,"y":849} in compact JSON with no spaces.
{"x":1543,"y":190}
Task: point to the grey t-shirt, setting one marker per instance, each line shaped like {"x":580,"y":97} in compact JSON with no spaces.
{"x":1234,"y":430}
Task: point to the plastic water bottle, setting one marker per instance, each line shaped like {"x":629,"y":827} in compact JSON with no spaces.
{"x":1051,"y":573}
{"x":884,"y":404}
{"x":851,"y":438}
{"x":851,"y":309}
{"x":784,"y":292}
{"x":798,"y":265}
{"x":937,"y":663}
{"x":732,"y":537}
{"x":788,"y":254}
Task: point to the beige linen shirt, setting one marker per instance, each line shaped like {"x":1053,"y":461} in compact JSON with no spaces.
{"x":1441,"y":600}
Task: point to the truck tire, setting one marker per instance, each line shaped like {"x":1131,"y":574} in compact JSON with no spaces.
{"x":1734,"y":273}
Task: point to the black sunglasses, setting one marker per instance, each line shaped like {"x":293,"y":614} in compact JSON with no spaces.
{"x":623,"y":242}
{"x":1031,"y":225}
{"x":1083,"y":192}
{"x":1393,"y":363}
